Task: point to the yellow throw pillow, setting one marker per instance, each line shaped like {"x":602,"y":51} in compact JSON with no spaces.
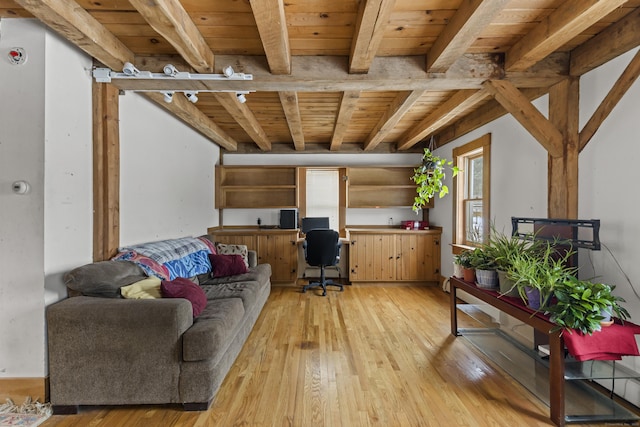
{"x":148,"y":288}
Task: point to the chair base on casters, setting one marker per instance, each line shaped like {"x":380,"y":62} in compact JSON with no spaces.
{"x":323,"y":283}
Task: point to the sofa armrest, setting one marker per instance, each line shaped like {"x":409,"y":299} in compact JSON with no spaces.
{"x":114,"y":351}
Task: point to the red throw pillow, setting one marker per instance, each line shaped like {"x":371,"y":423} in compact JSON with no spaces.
{"x":185,"y":288}
{"x":227,"y":265}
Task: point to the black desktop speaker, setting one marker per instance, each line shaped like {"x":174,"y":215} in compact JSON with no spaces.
{"x":288,"y":218}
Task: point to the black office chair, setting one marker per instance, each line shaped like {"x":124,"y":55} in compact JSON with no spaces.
{"x":322,"y":249}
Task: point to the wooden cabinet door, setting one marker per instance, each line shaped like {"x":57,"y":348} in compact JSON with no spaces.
{"x":372,"y":257}
{"x":418,"y":257}
{"x":279,"y":250}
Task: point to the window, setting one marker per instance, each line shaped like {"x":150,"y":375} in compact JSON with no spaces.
{"x":472,"y":191}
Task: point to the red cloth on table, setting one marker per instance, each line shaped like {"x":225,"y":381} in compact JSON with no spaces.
{"x":609,"y":343}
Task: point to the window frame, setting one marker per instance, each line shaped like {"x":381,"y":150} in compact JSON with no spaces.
{"x":478,"y":147}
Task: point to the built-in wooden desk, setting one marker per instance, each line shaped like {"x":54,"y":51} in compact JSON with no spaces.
{"x":539,"y":323}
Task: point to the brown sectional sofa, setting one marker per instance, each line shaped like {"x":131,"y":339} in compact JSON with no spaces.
{"x":116,"y":351}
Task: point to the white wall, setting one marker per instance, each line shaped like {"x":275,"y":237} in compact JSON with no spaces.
{"x":68,"y":205}
{"x":167,"y":175}
{"x":22,"y":93}
{"x":354,"y":216}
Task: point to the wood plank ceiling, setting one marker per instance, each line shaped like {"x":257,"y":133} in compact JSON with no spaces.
{"x":345,"y":75}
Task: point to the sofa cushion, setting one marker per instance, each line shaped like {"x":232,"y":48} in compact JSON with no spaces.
{"x":102,"y":279}
{"x":227,"y":249}
{"x":260,"y":273}
{"x":185,"y":288}
{"x":248,"y":292}
{"x":213,"y":331}
{"x":148,"y":288}
{"x":226,"y":265}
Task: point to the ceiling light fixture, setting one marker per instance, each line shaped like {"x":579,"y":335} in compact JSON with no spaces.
{"x":191,"y":96}
{"x":168,"y":97}
{"x":228,"y":71}
{"x":241,"y":98}
{"x":170,"y":70}
{"x":129,"y":69}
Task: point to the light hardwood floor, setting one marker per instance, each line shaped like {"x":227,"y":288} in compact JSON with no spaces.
{"x":368,"y":356}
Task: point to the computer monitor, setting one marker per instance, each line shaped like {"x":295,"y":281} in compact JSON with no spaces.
{"x":313,"y":222}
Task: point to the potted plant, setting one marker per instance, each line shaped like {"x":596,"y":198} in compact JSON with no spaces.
{"x":502,"y":248}
{"x":536,"y":273}
{"x":485,"y":265}
{"x":468,"y":271}
{"x":429,"y":177}
{"x":457,"y":267}
{"x":581,"y":305}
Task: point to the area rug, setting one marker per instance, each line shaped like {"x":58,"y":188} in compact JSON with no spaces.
{"x":29,"y":414}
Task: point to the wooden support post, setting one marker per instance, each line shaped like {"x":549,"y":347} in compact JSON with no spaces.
{"x":106,"y":171}
{"x":562,"y":183}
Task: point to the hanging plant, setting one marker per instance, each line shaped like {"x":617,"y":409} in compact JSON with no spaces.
{"x":429,"y":177}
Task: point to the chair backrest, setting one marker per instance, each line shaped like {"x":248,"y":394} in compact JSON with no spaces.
{"x":322,"y":247}
{"x":312,"y":222}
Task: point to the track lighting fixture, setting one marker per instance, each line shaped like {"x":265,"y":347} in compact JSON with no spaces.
{"x":228,"y":71}
{"x":191,"y":96}
{"x":241,"y":98}
{"x":168,"y":97}
{"x":129,"y":69}
{"x":105,"y":75}
{"x":170,"y":70}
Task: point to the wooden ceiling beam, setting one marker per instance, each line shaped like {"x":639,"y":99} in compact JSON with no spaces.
{"x":348,"y":105}
{"x":291,"y":107}
{"x":191,"y":115}
{"x":75,"y":24}
{"x":613,"y":41}
{"x":398,"y":108}
{"x":489,"y":112}
{"x":372,"y":21}
{"x":621,"y":86}
{"x":329,"y":74}
{"x":174,"y":24}
{"x":529,"y":116}
{"x":442,"y":116}
{"x":245,"y":118}
{"x":570,"y":19}
{"x":463,"y":29}
{"x":272,"y":26}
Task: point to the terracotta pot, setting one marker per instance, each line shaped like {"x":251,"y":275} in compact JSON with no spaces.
{"x":469,"y":275}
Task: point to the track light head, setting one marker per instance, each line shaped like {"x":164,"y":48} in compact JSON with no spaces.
{"x":228,"y":71}
{"x":191,"y":96}
{"x":129,"y":69}
{"x":168,"y":97}
{"x":170,"y":70}
{"x":241,"y":98}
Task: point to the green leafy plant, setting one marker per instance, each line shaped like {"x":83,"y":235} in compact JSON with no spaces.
{"x":429,"y":177}
{"x":580,"y":303}
{"x":541,"y":270}
{"x":502,"y":247}
{"x":465,"y":259}
{"x":481,"y":259}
